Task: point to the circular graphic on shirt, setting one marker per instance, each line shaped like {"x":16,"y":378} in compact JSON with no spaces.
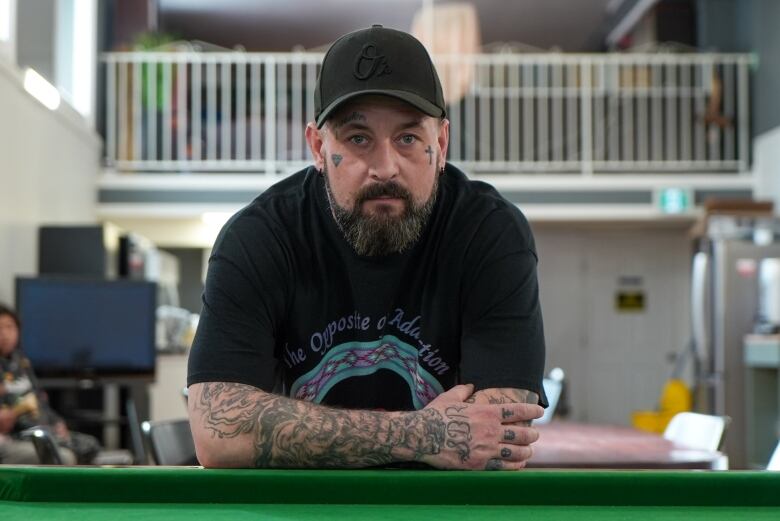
{"x":352,"y":359}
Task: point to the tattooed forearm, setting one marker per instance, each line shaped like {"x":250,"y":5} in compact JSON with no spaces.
{"x":230,"y":409}
{"x":293,"y":433}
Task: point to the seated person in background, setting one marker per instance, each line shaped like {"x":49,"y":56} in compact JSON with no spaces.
{"x":344,"y":306}
{"x":23,"y":405}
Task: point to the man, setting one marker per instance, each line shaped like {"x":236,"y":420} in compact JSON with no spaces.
{"x":344,"y":305}
{"x":21,"y":405}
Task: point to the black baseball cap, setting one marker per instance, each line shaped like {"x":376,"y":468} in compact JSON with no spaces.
{"x":382,"y":61}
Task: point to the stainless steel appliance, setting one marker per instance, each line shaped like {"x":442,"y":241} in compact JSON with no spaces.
{"x":725,"y":307}
{"x":769,"y":296}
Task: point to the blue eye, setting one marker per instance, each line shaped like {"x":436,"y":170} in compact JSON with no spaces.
{"x":358,"y":139}
{"x":408,"y":139}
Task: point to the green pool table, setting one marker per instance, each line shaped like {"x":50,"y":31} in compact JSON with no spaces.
{"x":151,"y":493}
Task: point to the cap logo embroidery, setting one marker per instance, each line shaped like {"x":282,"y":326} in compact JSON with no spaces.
{"x":370,"y":63}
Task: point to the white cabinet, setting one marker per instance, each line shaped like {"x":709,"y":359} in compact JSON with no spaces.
{"x":166,"y":398}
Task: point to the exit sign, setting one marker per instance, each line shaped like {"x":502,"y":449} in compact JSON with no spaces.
{"x":675,"y":200}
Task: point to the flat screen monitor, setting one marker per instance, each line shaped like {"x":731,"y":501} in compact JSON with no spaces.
{"x":87,"y":328}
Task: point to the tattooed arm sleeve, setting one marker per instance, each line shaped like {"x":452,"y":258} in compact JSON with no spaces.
{"x":236,"y":425}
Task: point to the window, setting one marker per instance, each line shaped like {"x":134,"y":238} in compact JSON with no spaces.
{"x":7,"y":29}
{"x":76,"y":54}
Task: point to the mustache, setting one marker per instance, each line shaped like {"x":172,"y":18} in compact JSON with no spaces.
{"x":386,"y":189}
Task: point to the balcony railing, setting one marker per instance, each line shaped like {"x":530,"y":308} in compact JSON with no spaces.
{"x":557,"y":113}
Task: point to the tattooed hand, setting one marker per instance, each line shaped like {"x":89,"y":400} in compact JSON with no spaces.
{"x":487,"y":435}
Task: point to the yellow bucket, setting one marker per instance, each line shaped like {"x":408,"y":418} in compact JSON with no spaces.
{"x":676,"y":397}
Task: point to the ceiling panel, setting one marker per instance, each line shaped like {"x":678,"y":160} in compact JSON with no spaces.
{"x":268,"y":25}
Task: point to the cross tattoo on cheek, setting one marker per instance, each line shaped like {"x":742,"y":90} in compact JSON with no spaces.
{"x":429,"y":151}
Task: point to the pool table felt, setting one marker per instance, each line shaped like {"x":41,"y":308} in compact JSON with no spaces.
{"x":147,"y":493}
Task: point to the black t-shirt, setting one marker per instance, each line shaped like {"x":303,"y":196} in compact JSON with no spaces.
{"x":290,"y":307}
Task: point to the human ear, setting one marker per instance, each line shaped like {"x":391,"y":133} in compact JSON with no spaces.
{"x":316,"y":144}
{"x":444,"y":139}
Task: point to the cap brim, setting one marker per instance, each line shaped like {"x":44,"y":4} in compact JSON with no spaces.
{"x":412,"y":99}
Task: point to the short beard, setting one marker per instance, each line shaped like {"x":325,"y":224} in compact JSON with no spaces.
{"x":382,"y":234}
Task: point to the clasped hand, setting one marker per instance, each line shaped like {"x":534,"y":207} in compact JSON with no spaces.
{"x":478,"y":436}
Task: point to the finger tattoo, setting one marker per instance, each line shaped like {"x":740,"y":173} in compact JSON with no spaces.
{"x":506,"y":413}
{"x":494,"y":464}
{"x":509,"y":435}
{"x":506,"y":453}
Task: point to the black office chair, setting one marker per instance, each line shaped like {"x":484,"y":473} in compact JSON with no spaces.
{"x":170,"y":442}
{"x":48,"y":453}
{"x":136,"y":433}
{"x":45,"y":446}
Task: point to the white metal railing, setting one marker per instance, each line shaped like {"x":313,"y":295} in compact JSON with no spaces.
{"x":515,"y":113}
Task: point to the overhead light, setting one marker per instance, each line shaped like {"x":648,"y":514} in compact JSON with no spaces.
{"x":41,"y":89}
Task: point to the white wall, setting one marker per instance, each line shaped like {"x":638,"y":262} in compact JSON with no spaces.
{"x":8,"y":30}
{"x":36,"y":34}
{"x":49,"y":162}
{"x":166,"y":401}
{"x":615,"y":362}
{"x":170,"y":232}
{"x":766,"y":166}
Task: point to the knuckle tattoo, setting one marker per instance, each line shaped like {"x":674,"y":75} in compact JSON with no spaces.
{"x":494,"y":464}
